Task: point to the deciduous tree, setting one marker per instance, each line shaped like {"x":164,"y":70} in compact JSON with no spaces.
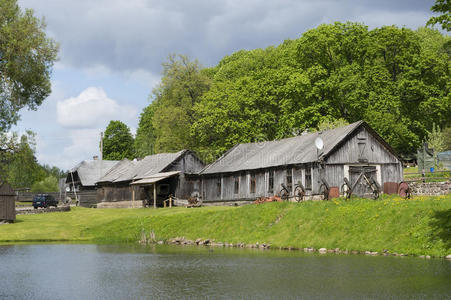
{"x":118,"y":142}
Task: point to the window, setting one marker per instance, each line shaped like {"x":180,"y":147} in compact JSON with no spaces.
{"x":308,"y":178}
{"x":253,"y":184}
{"x":290,"y":180}
{"x":237,"y":185}
{"x":218,"y":187}
{"x":271,"y":181}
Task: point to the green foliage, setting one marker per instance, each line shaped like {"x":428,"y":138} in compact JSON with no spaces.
{"x":145,"y":134}
{"x":436,"y":139}
{"x":48,"y":185}
{"x":327,"y":124}
{"x":23,"y":168}
{"x":171,"y":111}
{"x":447,"y":137}
{"x":419,"y":226}
{"x":396,"y":79}
{"x":443,"y":7}
{"x":26,"y":58}
{"x":118,"y":142}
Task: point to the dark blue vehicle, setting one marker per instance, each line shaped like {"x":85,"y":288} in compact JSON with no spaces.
{"x":44,"y":200}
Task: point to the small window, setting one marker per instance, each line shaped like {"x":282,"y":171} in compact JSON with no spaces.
{"x":308,"y":178}
{"x":253,"y":184}
{"x":271,"y":181}
{"x":218,"y":187}
{"x":290,"y":179}
{"x":237,"y":185}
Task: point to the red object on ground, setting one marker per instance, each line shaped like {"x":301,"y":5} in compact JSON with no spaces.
{"x":390,"y":188}
{"x":334,"y":192}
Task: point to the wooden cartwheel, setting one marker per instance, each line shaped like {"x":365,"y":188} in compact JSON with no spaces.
{"x":404,"y":190}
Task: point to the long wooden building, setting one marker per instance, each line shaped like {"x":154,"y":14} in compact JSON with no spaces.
{"x":252,"y":170}
{"x":151,"y":180}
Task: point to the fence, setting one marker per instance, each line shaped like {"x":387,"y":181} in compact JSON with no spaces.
{"x":83,"y":198}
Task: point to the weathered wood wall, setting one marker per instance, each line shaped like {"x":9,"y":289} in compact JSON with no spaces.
{"x":359,"y":149}
{"x":7,"y":203}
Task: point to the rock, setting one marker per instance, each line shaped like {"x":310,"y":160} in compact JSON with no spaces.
{"x":374,"y":253}
{"x":421,"y":256}
{"x":448,"y":256}
{"x":310,"y":249}
{"x":206,"y":242}
{"x":160,"y":242}
{"x":428,"y":257}
{"x":367,"y":253}
{"x":355,"y":252}
{"x":330,"y":251}
{"x":322,"y":250}
{"x":337,"y":250}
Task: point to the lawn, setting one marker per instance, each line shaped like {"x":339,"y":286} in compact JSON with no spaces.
{"x":421,"y":226}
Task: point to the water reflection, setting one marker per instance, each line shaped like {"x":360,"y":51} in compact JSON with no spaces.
{"x":124,"y":272}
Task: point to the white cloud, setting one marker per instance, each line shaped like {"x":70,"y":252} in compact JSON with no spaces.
{"x":92,"y":108}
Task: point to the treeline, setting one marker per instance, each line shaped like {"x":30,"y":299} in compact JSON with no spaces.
{"x":21,"y":169}
{"x":396,"y":79}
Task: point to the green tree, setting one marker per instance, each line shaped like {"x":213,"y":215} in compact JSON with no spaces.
{"x":145,"y":134}
{"x":447,"y":138}
{"x":396,"y":79}
{"x":118,"y":142}
{"x":23,"y":168}
{"x":26,"y":58}
{"x":181,"y":87}
{"x":47,"y":185}
{"x":442,"y":7}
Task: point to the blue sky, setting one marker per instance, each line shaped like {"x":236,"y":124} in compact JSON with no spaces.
{"x":111,"y":53}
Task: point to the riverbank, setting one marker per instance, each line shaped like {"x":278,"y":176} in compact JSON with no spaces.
{"x":418,"y":227}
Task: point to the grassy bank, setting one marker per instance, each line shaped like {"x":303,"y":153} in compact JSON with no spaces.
{"x":419,"y":226}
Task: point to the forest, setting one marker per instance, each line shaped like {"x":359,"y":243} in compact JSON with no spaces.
{"x":396,"y":79}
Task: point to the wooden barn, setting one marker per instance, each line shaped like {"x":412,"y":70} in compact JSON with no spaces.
{"x":7,"y":203}
{"x":151,"y":180}
{"x":83,"y":177}
{"x":252,"y":170}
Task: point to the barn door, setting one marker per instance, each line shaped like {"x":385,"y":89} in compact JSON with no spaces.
{"x":361,"y":188}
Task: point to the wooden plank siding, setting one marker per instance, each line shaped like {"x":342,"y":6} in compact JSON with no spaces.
{"x":360,"y":148}
{"x":7,"y":203}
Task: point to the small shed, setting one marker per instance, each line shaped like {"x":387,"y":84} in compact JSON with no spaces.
{"x":7,"y":203}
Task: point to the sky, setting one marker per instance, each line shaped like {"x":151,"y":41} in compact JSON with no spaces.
{"x":111,"y":53}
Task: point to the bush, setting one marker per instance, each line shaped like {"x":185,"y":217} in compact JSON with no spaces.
{"x":48,"y":185}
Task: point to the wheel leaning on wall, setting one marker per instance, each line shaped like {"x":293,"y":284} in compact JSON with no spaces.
{"x":324,"y":192}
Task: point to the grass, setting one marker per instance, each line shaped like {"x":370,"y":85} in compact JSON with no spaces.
{"x":421,"y":226}
{"x":412,"y":173}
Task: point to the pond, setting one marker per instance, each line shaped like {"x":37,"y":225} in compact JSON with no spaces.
{"x":129,"y":272}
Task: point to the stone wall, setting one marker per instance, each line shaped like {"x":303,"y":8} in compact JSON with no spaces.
{"x":121,"y":204}
{"x":32,"y":211}
{"x":430,"y":188}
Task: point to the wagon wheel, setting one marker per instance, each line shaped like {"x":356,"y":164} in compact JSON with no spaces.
{"x":324,"y":192}
{"x":299,"y":194}
{"x":284,"y":194}
{"x":404,"y":190}
{"x":375,"y":194}
{"x":346,"y":191}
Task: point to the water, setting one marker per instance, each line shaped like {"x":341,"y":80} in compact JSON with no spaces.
{"x":135,"y":272}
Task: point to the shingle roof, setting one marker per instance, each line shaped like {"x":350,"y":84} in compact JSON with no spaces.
{"x":295,"y":150}
{"x":128,"y":170}
{"x":89,"y":171}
